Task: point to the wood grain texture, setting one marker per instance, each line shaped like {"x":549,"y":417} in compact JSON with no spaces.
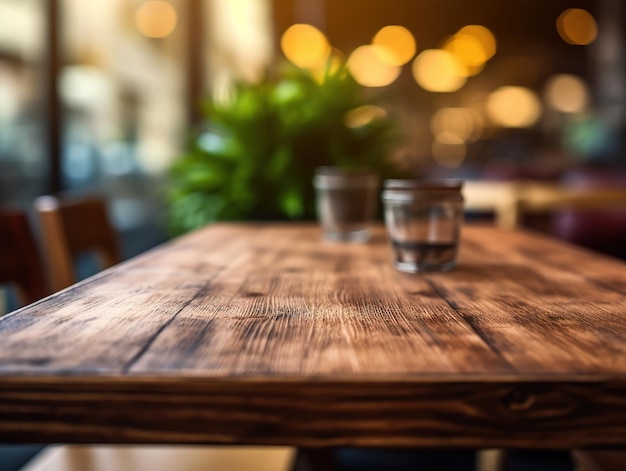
{"x":264,"y":334}
{"x":422,"y":413}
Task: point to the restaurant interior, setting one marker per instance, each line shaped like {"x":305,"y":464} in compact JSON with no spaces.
{"x":179,"y":113}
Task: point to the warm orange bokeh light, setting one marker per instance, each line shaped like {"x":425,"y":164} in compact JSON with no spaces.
{"x":482,"y":35}
{"x":513,"y":107}
{"x":468,"y":49}
{"x":369,"y":70}
{"x":577,"y":26}
{"x":305,"y":46}
{"x":156,"y":19}
{"x":398,"y":41}
{"x":473,"y":46}
{"x":437,"y":70}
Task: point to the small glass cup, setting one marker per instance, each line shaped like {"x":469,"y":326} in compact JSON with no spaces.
{"x":346,"y":203}
{"x":423,"y":220}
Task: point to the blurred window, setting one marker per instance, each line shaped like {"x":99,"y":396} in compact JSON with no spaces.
{"x":123,"y":92}
{"x":23,"y":161}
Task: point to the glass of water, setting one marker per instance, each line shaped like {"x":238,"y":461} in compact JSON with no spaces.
{"x":423,"y":220}
{"x":346,"y":203}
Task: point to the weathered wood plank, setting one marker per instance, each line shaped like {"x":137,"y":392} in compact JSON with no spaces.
{"x":541,"y":317}
{"x":353,"y":313}
{"x":308,"y":309}
{"x":264,"y":334}
{"x":597,"y":268}
{"x":100,"y":325}
{"x":248,"y":299}
{"x":422,"y":413}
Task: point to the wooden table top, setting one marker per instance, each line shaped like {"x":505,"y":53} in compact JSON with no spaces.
{"x":264,"y":334}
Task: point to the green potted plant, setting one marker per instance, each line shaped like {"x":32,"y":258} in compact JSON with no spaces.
{"x":258,"y":154}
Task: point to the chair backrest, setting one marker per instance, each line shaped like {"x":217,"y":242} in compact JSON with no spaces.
{"x":20,"y":260}
{"x":70,"y":227}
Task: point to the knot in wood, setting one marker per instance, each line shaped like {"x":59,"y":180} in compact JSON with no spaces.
{"x":519,"y":399}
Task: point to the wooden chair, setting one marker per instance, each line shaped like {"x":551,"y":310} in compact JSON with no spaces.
{"x":20,"y":260}
{"x":70,"y":227}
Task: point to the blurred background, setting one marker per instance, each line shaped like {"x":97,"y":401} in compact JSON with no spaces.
{"x":107,"y":95}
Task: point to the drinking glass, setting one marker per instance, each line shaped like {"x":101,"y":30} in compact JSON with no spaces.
{"x":423,"y":220}
{"x":346,"y":203}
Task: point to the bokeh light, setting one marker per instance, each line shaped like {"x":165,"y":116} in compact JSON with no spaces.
{"x":567,"y":93}
{"x":449,"y":155}
{"x":156,"y":19}
{"x":305,"y":46}
{"x":85,"y":87}
{"x":483,"y":36}
{"x":437,"y":70}
{"x":468,"y":49}
{"x":363,"y":115}
{"x":473,"y":46}
{"x":456,"y":125}
{"x":398,"y":42}
{"x":513,"y":107}
{"x":368,"y":69}
{"x":577,"y":26}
